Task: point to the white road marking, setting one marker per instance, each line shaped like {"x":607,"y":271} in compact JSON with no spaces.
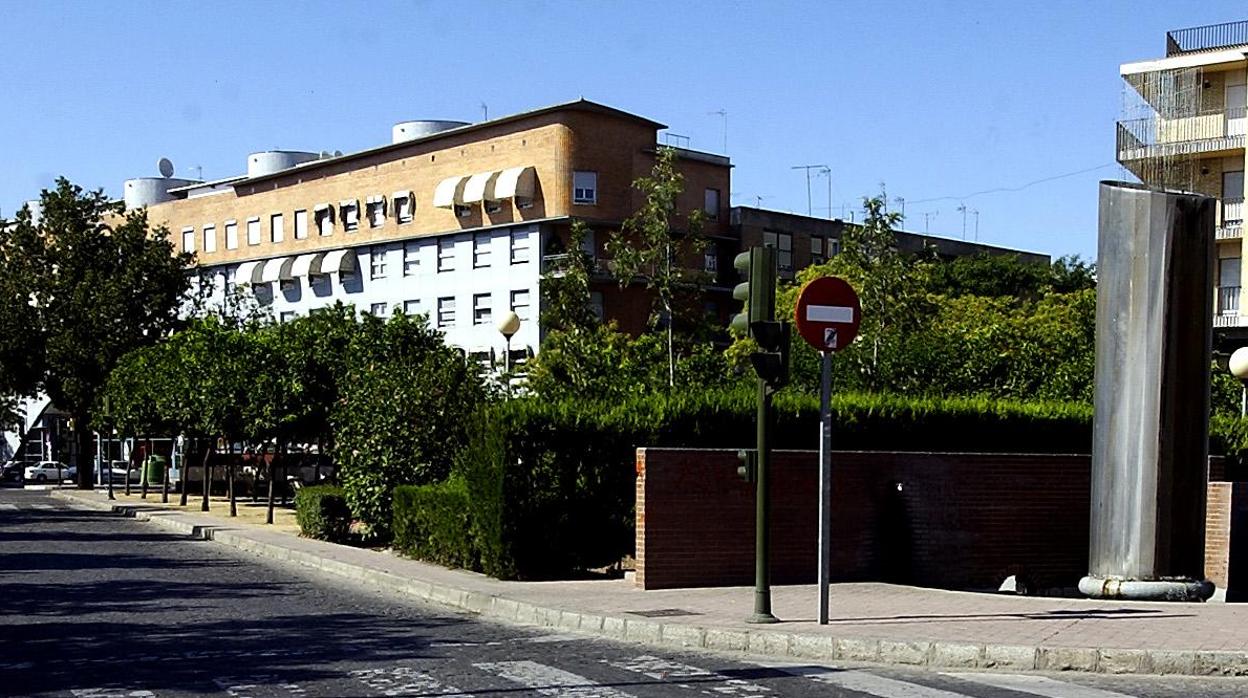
{"x":863,"y":682}
{"x":8,"y":507}
{"x":242,"y":686}
{"x":549,"y":681}
{"x":688,"y":676}
{"x":1037,"y":685}
{"x":110,"y":693}
{"x":404,"y":681}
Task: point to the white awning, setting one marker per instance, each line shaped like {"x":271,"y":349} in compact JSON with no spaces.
{"x":375,"y":199}
{"x":401,"y":195}
{"x":341,"y":261}
{"x":480,"y":187}
{"x":248,"y":273}
{"x":306,"y":264}
{"x":516,"y":182}
{"x":277,"y":269}
{"x":450,"y":191}
{"x":320,"y":207}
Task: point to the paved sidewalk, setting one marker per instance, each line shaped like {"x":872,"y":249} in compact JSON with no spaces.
{"x":871,"y":622}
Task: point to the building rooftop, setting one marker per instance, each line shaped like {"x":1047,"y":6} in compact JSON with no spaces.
{"x":1210,"y":37}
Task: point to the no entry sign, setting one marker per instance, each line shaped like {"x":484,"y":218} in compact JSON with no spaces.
{"x":828,"y":313}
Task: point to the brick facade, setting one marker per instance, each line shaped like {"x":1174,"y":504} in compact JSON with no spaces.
{"x":955,"y":520}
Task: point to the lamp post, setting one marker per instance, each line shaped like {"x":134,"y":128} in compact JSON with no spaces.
{"x":1238,"y":366}
{"x":508,"y":326}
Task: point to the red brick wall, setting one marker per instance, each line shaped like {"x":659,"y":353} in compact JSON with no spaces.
{"x":1226,"y":537}
{"x":955,"y":520}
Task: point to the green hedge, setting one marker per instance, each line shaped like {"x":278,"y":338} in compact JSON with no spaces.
{"x":432,"y":522}
{"x":322,"y":513}
{"x":550,"y":486}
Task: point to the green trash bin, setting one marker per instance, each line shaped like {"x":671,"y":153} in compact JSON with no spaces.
{"x":155,"y":467}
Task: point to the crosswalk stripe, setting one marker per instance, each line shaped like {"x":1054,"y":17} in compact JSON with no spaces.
{"x":8,"y":507}
{"x":549,"y":681}
{"x":404,"y":681}
{"x":243,"y":686}
{"x":110,"y":693}
{"x":1037,"y":685}
{"x":863,"y":682}
{"x":41,"y":506}
{"x":689,"y":676}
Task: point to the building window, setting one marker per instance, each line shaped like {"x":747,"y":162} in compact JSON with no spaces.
{"x":411,"y":258}
{"x":231,"y":235}
{"x":783,"y":242}
{"x":301,"y":225}
{"x":446,"y":254}
{"x":411,"y":307}
{"x":287,"y":316}
{"x":377,"y":263}
{"x":816,"y":250}
{"x":446,"y":312}
{"x":493,"y":206}
{"x":710,"y":203}
{"x":519,"y":246}
{"x":350,"y":212}
{"x":1228,"y":285}
{"x":377,"y":309}
{"x":403,"y":208}
{"x":520,"y":303}
{"x":480,"y":250}
{"x":482,"y":313}
{"x":376,"y":211}
{"x":595,"y":303}
{"x":463,"y":211}
{"x":188,"y":239}
{"x":253,"y":230}
{"x":710,"y":260}
{"x":324,"y":220}
{"x":277,"y":227}
{"x":833,"y":247}
{"x":584,"y":187}
{"x":210,"y":238}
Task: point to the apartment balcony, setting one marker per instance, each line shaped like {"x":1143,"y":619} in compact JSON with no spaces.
{"x":1231,"y":226}
{"x":1220,"y":131}
{"x":1226,"y":312}
{"x":1211,"y":37}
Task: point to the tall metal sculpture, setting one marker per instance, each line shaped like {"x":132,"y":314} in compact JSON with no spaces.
{"x":1154,"y":310}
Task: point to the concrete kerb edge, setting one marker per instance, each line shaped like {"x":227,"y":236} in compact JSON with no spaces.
{"x":773,"y":643}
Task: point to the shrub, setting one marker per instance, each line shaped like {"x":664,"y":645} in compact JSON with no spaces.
{"x":322,"y":513}
{"x":433,"y":522}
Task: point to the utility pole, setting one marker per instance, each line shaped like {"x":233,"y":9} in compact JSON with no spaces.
{"x":808,"y":168}
{"x":485,"y":112}
{"x":901,"y":201}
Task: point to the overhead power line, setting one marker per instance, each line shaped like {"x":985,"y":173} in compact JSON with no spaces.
{"x":997,"y":190}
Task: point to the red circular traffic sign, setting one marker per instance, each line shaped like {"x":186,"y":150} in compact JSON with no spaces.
{"x":828,"y":313}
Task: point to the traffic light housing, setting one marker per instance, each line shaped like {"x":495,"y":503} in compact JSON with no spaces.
{"x":748,"y":470}
{"x":758,"y":317}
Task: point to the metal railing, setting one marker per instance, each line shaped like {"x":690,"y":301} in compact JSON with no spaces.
{"x":1233,"y":210}
{"x":1230,"y":231}
{"x":1211,"y":130}
{"x":1228,"y":300}
{"x":1210,"y":37}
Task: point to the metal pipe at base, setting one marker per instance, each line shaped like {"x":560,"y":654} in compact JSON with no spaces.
{"x":1146,"y":589}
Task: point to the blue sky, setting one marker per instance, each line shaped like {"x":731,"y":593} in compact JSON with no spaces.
{"x":936,"y":100}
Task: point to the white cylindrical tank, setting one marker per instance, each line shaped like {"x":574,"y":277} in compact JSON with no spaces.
{"x":145,"y":191}
{"x":270,"y":161}
{"x":36,"y":210}
{"x":411,"y":130}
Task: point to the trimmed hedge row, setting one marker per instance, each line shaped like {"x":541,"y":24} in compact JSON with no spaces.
{"x":547,"y":488}
{"x":322,"y":513}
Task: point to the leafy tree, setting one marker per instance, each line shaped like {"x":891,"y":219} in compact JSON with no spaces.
{"x":1008,"y":275}
{"x":565,"y":289}
{"x":100,"y":282}
{"x":647,"y":248}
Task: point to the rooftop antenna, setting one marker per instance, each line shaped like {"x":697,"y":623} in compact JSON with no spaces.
{"x":808,"y":168}
{"x":827,"y":172}
{"x":901,"y":201}
{"x":975,"y":213}
{"x":485,"y":112}
{"x":927,"y":217}
{"x":199,"y":172}
{"x":723,"y":113}
{"x":165,"y":167}
{"x":962,"y":210}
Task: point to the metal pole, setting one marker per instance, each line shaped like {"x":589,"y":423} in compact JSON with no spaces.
{"x":825,"y":485}
{"x":108,"y":458}
{"x":762,"y":511}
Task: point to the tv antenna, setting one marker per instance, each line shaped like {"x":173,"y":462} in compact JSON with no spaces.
{"x":808,"y":168}
{"x":724,"y":114}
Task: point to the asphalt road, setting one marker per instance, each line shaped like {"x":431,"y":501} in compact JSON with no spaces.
{"x":95,"y":605}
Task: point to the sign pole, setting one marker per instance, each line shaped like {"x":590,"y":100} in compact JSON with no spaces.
{"x":825,"y":485}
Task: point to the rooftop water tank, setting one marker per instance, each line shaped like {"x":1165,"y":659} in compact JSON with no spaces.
{"x":36,"y":210}
{"x":411,"y":130}
{"x":146,"y":191}
{"x":270,"y":161}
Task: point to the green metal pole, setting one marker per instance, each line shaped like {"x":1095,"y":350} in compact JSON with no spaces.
{"x":762,"y":513}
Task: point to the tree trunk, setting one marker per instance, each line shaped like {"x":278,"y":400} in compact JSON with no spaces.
{"x":108,"y":461}
{"x":129,"y":467}
{"x":229,"y":478}
{"x":147,"y":455}
{"x":184,"y":473}
{"x":82,"y":437}
{"x":268,"y":519}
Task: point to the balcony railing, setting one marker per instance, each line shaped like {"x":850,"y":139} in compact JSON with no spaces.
{"x":1156,"y":136}
{"x":1207,"y":38}
{"x":1230,"y":231}
{"x":1228,"y":300}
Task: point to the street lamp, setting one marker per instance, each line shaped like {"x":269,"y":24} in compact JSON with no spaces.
{"x":1238,"y":366}
{"x":508,"y":325}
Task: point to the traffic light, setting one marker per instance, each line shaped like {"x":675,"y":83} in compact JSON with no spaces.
{"x":748,"y":470}
{"x":758,"y":292}
{"x":771,"y":363}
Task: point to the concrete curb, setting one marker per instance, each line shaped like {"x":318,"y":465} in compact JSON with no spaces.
{"x":774,"y":644}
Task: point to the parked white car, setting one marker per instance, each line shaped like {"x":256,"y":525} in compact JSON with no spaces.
{"x":52,"y":470}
